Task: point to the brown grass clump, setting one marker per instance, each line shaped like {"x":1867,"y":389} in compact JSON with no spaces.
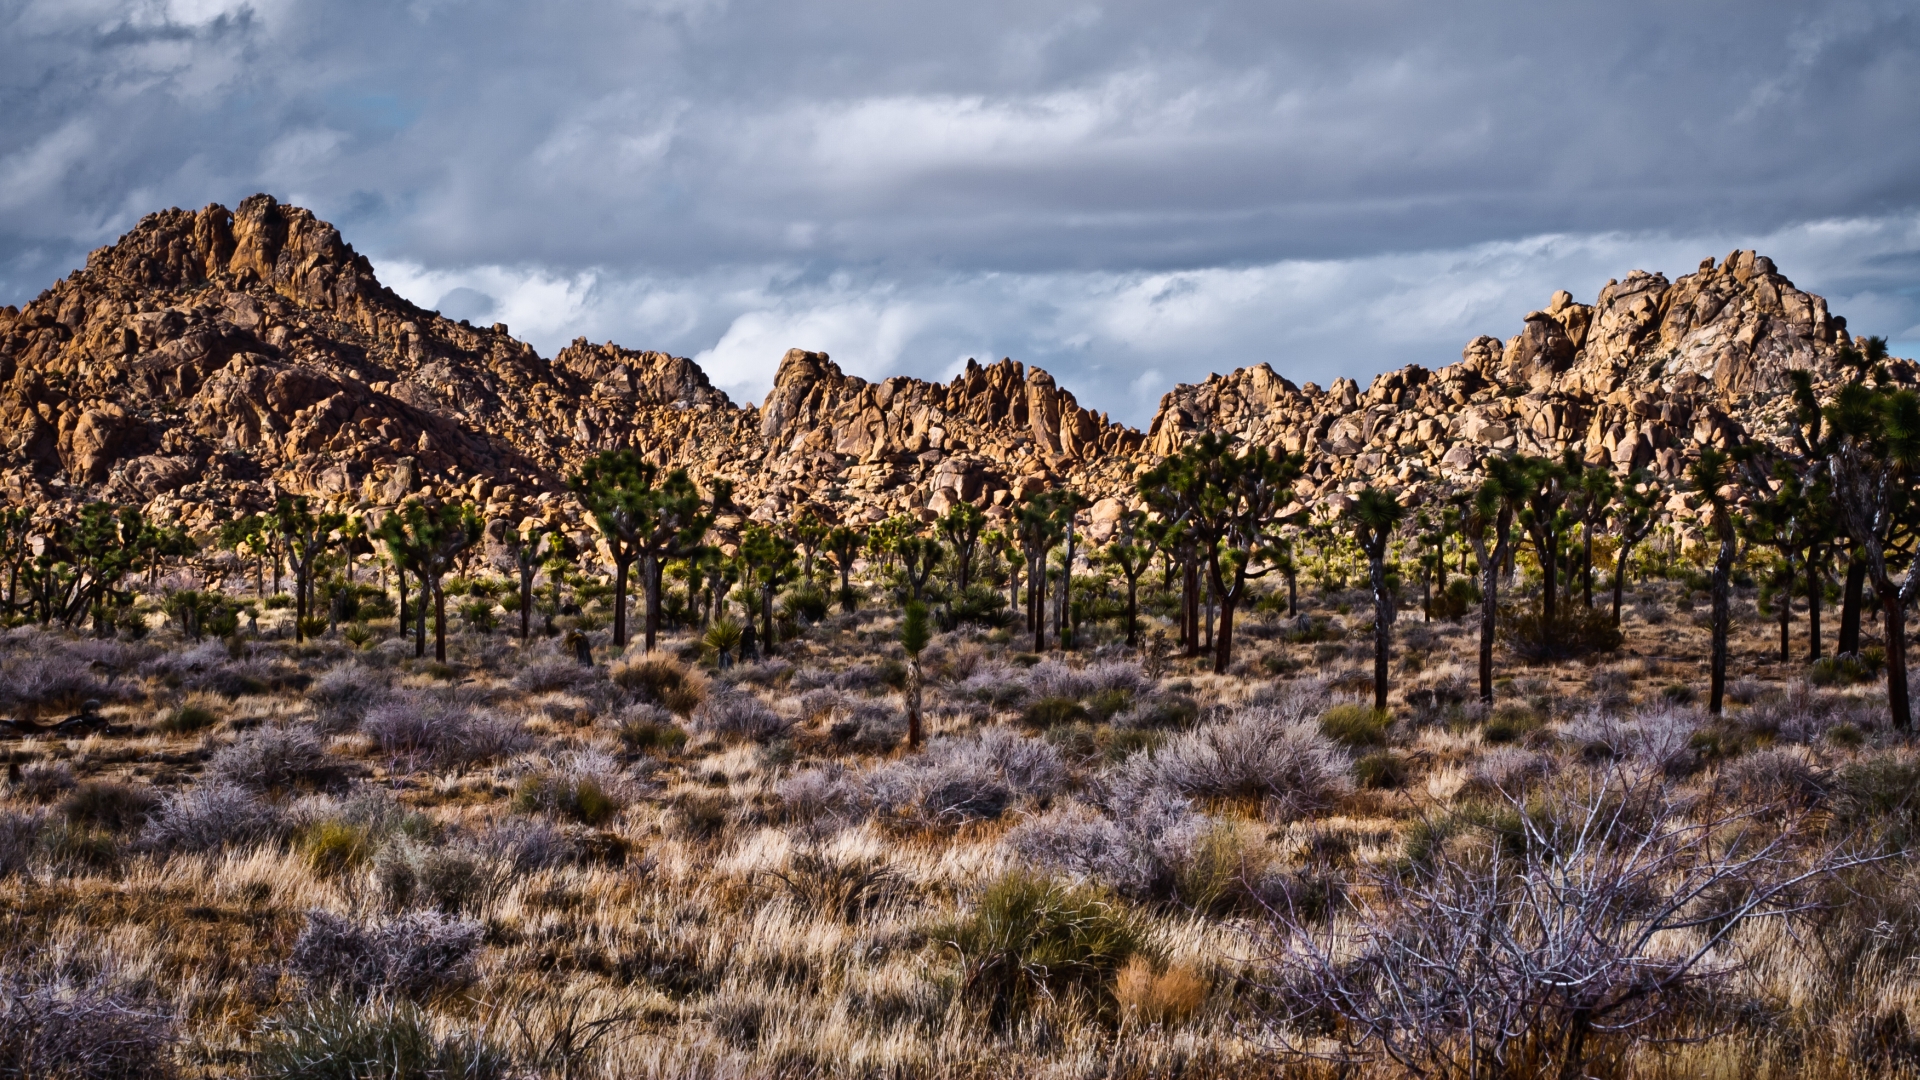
{"x":1164,"y":996}
{"x":663,"y":681}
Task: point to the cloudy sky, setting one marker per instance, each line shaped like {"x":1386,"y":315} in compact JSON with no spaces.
{"x":1128,"y":194}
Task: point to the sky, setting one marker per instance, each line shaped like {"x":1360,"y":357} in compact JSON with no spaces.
{"x":1127,"y":194}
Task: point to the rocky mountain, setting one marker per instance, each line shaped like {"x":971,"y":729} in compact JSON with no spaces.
{"x":211,"y":359}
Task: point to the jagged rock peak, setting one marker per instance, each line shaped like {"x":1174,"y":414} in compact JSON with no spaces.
{"x":642,"y":377}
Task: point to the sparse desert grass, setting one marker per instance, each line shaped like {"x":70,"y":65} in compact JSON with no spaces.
{"x":286,"y":858}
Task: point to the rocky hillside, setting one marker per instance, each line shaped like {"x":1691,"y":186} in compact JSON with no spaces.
{"x":212,"y":358}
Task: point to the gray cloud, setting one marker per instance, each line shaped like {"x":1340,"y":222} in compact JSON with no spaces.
{"x":1126,"y":193}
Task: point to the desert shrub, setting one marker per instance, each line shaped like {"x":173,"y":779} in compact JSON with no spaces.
{"x":447,"y":878}
{"x":768,"y":673}
{"x":341,"y":698}
{"x":107,"y":805}
{"x":806,"y":604}
{"x":1510,"y":722}
{"x":845,"y":889}
{"x":1053,"y":679}
{"x":187,"y":718}
{"x":555,"y":676}
{"x":1577,"y":631}
{"x":869,"y":726}
{"x":210,"y":816}
{"x":331,"y":848}
{"x":956,"y":779}
{"x":698,"y":816}
{"x":1030,"y":939}
{"x":1356,"y":726}
{"x":48,"y":681}
{"x":68,"y":1028}
{"x":1106,"y":704}
{"x":412,"y":955}
{"x":1159,"y":712}
{"x":1505,"y":770}
{"x":274,"y":758}
{"x":42,"y":781}
{"x":72,"y":847}
{"x":1048,"y":712}
{"x":426,"y":728}
{"x":1159,"y":996}
{"x":585,"y":786}
{"x":996,"y":684}
{"x":663,"y":681}
{"x":1382,"y":770}
{"x":1258,"y":753}
{"x":1776,"y":774}
{"x":1847,"y":669}
{"x":650,"y":730}
{"x":340,"y":1039}
{"x":739,"y":715}
{"x":1881,"y":794}
{"x":19,"y":838}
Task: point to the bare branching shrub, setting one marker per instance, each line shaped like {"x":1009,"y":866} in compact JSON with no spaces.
{"x":42,"y":781}
{"x":1583,"y":925}
{"x":19,"y":837}
{"x":39,"y":682}
{"x":276,"y":757}
{"x":413,"y":955}
{"x":61,"y":1027}
{"x":739,"y":715}
{"x":1053,"y":679}
{"x":1137,"y":848}
{"x":414,"y":730}
{"x":341,"y":698}
{"x":1260,"y":752}
{"x":556,"y":676}
{"x":107,"y":805}
{"x":998,"y":684}
{"x":844,"y":889}
{"x":868,"y":725}
{"x":1506,"y":770}
{"x":956,"y":779}
{"x":211,"y":816}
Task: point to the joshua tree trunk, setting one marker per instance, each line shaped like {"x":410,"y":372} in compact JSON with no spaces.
{"x":1382,"y":629}
{"x":1850,"y":601}
{"x":1895,"y":610}
{"x":1722,"y":571}
{"x":439,"y":623}
{"x":1814,"y":589}
{"x":620,"y":602}
{"x":650,"y":570}
{"x":914,"y":683}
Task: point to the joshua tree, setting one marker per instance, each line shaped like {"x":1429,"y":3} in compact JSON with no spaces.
{"x":1131,"y":550}
{"x":306,"y":535}
{"x":769,"y":559}
{"x":914,"y":635}
{"x":645,"y":521}
{"x":1038,"y":527}
{"x":844,"y":545}
{"x":1492,"y":512}
{"x":1635,"y":513}
{"x":1374,"y":514}
{"x":1710,"y":476}
{"x":426,"y":540}
{"x":919,"y":556}
{"x":1232,"y":500}
{"x":961,"y":526}
{"x":1873,"y":463}
{"x":1066,"y":508}
{"x":529,"y":547}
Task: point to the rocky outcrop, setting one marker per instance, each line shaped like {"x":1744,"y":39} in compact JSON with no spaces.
{"x":214,"y":358}
{"x":1639,"y":379}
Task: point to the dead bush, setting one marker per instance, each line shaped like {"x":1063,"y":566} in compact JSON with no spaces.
{"x":412,"y":955}
{"x":277,"y":757}
{"x":663,"y":681}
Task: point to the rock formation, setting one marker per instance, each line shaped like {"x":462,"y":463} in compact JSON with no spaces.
{"x":211,"y":359}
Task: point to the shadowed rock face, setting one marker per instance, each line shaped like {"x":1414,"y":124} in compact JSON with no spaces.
{"x":210,"y":359}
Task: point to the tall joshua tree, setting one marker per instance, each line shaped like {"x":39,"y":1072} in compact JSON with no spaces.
{"x":1489,"y":517}
{"x":643,"y":517}
{"x":1874,"y":464}
{"x":844,"y":543}
{"x":426,"y":540}
{"x":306,"y":535}
{"x":1710,"y":477}
{"x":529,"y":549}
{"x":1374,"y":514}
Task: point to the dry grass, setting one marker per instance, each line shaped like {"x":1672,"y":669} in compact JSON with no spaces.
{"x":651,"y":897}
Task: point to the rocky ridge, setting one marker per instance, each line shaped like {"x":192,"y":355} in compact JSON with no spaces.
{"x":211,"y":359}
